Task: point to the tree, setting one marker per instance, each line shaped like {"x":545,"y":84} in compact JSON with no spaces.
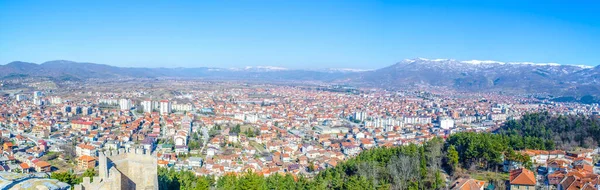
{"x":358,"y":183}
{"x":250,"y":181}
{"x":171,"y":179}
{"x":548,"y":131}
{"x":89,"y":173}
{"x":195,"y":136}
{"x":452,"y":158}
{"x":68,"y":151}
{"x":311,"y":167}
{"x":67,"y":177}
{"x":236,"y":129}
{"x":403,"y":170}
{"x":227,"y":182}
{"x":203,"y":183}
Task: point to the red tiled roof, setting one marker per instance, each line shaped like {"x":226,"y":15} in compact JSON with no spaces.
{"x":42,"y":164}
{"x":522,"y":177}
{"x":87,"y":158}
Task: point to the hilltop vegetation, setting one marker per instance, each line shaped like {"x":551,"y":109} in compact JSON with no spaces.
{"x":567,"y":132}
{"x":404,"y":167}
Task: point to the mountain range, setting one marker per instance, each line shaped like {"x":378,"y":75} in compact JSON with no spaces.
{"x":474,"y":75}
{"x":524,"y":77}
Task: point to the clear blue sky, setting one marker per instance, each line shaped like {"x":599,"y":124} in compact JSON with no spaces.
{"x":297,"y":34}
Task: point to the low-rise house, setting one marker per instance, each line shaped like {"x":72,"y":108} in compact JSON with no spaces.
{"x":42,"y":166}
{"x":25,"y":167}
{"x":195,"y":161}
{"x":86,"y":162}
{"x":181,"y":149}
{"x":350,"y":149}
{"x":467,"y":184}
{"x":558,"y":165}
{"x":233,"y":138}
{"x":522,"y":179}
{"x":556,"y":177}
{"x":85,"y":149}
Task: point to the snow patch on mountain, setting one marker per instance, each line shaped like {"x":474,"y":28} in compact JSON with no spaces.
{"x":260,"y":68}
{"x":347,"y":70}
{"x":491,"y":62}
{"x":478,"y":62}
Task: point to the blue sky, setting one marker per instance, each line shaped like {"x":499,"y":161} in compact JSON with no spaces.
{"x":297,"y":34}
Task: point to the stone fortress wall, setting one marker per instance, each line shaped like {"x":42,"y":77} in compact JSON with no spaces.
{"x":124,"y":169}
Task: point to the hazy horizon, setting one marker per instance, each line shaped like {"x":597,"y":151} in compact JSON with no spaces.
{"x":297,"y":34}
{"x":314,"y":68}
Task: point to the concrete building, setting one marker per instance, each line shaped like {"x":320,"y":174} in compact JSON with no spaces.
{"x":86,"y":162}
{"x":360,"y":116}
{"x":165,"y":107}
{"x":66,"y":109}
{"x":55,"y":100}
{"x":37,"y":94}
{"x":108,"y":101}
{"x":497,"y":117}
{"x":446,"y":123}
{"x":180,"y":138}
{"x":20,"y":97}
{"x":182,"y":107}
{"x":37,"y":101}
{"x":125,"y":104}
{"x":148,"y":106}
{"x":87,"y":110}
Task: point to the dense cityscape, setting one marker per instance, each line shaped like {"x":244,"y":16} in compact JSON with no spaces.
{"x":224,"y":128}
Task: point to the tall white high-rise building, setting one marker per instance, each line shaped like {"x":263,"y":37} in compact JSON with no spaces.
{"x":37,"y":101}
{"x":446,"y":123}
{"x":360,"y":116}
{"x":148,"y":106}
{"x":165,"y":107}
{"x":87,"y":110}
{"x":20,"y":97}
{"x":37,"y":94}
{"x":125,"y":104}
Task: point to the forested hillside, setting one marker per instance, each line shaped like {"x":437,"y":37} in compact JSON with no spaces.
{"x":404,"y":167}
{"x":567,"y":132}
{"x":486,"y":151}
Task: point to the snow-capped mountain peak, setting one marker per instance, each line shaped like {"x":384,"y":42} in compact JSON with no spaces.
{"x":489,"y":62}
{"x":260,"y":68}
{"x":478,"y":62}
{"x":347,"y":70}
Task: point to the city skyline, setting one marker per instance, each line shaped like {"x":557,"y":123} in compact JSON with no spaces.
{"x":297,"y":35}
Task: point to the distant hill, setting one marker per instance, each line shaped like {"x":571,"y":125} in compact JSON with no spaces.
{"x":474,"y":75}
{"x":76,"y":70}
{"x":487,"y":75}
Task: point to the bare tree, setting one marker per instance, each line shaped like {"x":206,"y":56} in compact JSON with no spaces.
{"x":370,"y":170}
{"x":403,"y":169}
{"x":68,"y":151}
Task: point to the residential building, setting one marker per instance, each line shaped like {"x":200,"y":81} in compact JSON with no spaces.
{"x":522,"y":179}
